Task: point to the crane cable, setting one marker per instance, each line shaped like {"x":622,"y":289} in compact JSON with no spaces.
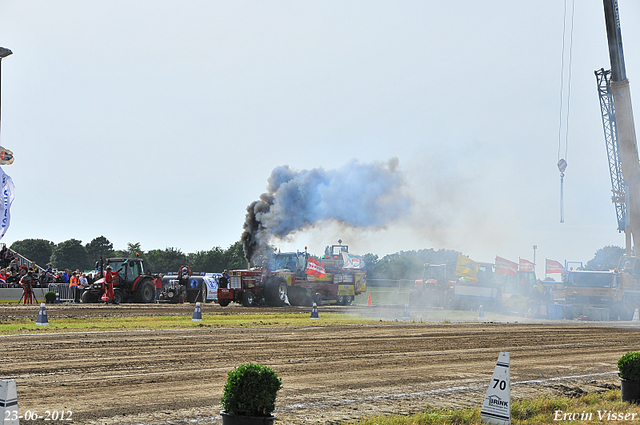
{"x":562,"y":162}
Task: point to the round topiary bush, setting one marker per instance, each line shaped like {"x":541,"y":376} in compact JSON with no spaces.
{"x":629,"y":366}
{"x":50,"y":297}
{"x":250,"y":390}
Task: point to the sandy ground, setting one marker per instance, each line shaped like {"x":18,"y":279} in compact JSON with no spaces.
{"x":330,"y":373}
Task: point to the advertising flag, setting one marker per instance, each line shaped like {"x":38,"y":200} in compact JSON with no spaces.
{"x":555,"y":267}
{"x":315,"y":268}
{"x":465,"y":267}
{"x":6,"y":156}
{"x":505,"y":266}
{"x":7,"y":198}
{"x":352,"y":261}
{"x":526,"y":265}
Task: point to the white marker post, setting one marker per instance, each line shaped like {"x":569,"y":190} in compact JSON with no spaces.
{"x":8,"y":402}
{"x":496,"y":408}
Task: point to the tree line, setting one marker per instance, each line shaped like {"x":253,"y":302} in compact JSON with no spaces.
{"x":72,"y":254}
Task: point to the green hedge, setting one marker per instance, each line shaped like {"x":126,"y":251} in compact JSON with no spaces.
{"x":629,"y":366}
{"x":251,"y":390}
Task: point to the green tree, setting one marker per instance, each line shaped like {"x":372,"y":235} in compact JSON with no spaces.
{"x":166,"y":260}
{"x":234,"y":257}
{"x":133,"y":250}
{"x":70,"y":254}
{"x":370,"y":261}
{"x":409,"y":264}
{"x":37,"y":250}
{"x":606,"y":258}
{"x":99,"y":247}
{"x":207,"y":261}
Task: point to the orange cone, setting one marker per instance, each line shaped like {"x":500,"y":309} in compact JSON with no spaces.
{"x":369,"y":300}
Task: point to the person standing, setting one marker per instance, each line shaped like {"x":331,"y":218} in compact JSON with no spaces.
{"x":82,"y":281}
{"x":27,"y":289}
{"x":158,"y":284}
{"x":109,"y":279}
{"x":223,"y":281}
{"x":73,"y":287}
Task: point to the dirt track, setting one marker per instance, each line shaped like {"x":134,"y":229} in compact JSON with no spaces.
{"x":329,"y":373}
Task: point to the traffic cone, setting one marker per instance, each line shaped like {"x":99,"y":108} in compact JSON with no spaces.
{"x":9,"y":402}
{"x":405,"y":313}
{"x":42,"y":316}
{"x":636,"y":316}
{"x":197,"y":314}
{"x":314,"y":311}
{"x":480,"y":312}
{"x":369,"y":300}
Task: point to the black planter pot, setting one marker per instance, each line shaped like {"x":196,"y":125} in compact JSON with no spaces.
{"x":246,"y":420}
{"x":630,"y":391}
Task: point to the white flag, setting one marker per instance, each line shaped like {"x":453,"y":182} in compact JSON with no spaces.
{"x":7,"y":198}
{"x":352,"y":261}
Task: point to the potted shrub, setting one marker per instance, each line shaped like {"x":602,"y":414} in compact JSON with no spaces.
{"x":249,"y":395}
{"x":50,"y":297}
{"x":629,"y":367}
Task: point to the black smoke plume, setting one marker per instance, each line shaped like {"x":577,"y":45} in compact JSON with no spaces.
{"x":356,"y":195}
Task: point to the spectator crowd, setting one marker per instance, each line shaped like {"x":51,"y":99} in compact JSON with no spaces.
{"x":13,"y":276}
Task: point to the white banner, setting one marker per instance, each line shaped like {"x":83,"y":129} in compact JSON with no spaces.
{"x":352,"y":261}
{"x":211,"y":282}
{"x":7,"y":198}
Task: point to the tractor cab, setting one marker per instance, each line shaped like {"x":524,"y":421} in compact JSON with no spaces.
{"x":128,"y":269}
{"x":294,"y":262}
{"x":333,"y":255}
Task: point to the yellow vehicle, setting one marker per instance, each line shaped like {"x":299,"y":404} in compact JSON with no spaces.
{"x":587,"y":290}
{"x":516,"y":290}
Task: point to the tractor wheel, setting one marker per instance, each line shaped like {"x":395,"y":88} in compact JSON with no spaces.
{"x":146,"y":292}
{"x":224,"y":303}
{"x":248,"y":299}
{"x":118,"y":297}
{"x":87,"y":297}
{"x":276,"y":288}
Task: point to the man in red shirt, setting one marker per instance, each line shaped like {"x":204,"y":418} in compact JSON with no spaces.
{"x":158,"y":284}
{"x":27,"y":291}
{"x":109,"y":278}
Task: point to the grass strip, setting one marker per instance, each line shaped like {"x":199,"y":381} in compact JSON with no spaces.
{"x":105,"y":323}
{"x":595,"y":408}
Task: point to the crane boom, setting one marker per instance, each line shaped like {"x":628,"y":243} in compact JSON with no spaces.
{"x":603,"y":78}
{"x":628,"y":147}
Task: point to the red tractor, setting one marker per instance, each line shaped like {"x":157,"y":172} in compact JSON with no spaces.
{"x":283,"y":278}
{"x":132,"y":283}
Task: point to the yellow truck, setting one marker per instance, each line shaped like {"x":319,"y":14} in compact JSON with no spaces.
{"x":601,"y":295}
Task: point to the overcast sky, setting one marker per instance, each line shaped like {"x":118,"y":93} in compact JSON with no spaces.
{"x":159,"y":121}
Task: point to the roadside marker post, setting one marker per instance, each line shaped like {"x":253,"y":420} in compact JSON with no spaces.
{"x":405,"y":313}
{"x":314,"y":311}
{"x":496,"y":408}
{"x":480,"y":312}
{"x":8,"y":402}
{"x":197,"y":313}
{"x":42,"y":316}
{"x":636,"y":316}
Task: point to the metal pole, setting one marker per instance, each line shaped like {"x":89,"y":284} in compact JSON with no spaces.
{"x":534,"y":258}
{"x":614,"y":36}
{"x":4,"y":52}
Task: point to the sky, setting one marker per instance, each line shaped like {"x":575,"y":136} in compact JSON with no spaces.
{"x":159,"y":121}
